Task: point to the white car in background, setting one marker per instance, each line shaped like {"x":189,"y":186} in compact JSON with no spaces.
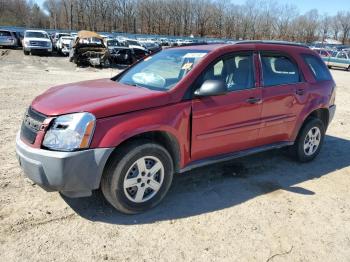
{"x":57,"y":36}
{"x":134,"y":44}
{"x":64,"y":44}
{"x":36,"y":41}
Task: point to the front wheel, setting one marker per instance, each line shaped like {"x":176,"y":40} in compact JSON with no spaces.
{"x":137,"y":177}
{"x":309,"y":141}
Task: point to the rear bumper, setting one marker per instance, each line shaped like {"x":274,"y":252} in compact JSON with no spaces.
{"x":12,"y":44}
{"x":74,"y":174}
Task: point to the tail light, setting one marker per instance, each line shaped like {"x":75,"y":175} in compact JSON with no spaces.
{"x":332,"y":100}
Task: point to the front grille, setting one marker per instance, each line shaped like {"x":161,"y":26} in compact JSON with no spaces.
{"x":37,"y":43}
{"x":31,"y":124}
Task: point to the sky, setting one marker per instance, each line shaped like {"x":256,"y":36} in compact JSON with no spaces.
{"x":330,"y":7}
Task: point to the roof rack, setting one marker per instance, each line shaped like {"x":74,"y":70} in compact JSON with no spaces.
{"x":274,"y":42}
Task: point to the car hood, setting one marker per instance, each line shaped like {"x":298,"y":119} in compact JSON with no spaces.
{"x":103,"y":98}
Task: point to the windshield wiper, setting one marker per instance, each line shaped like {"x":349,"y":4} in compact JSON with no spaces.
{"x":132,"y":84}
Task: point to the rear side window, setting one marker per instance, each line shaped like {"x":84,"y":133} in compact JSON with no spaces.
{"x":5,"y":33}
{"x":279,"y":70}
{"x":342,"y":55}
{"x":318,"y":67}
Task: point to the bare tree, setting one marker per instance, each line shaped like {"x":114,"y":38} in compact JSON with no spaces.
{"x":344,"y":22}
{"x":255,"y":19}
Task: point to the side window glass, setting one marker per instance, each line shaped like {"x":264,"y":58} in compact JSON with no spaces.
{"x":318,"y":67}
{"x":279,"y":70}
{"x":236,"y":71}
{"x":342,"y":55}
{"x":218,"y":68}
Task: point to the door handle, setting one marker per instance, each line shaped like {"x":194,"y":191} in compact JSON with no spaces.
{"x":300,"y":92}
{"x":254,"y":100}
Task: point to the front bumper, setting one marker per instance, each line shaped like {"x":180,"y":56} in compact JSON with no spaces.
{"x":65,"y":51}
{"x":37,"y":49}
{"x":74,"y":174}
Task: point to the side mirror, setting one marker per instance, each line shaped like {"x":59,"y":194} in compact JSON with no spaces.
{"x":212,"y":88}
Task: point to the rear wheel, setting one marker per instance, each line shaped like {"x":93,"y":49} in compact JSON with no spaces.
{"x":309,"y":141}
{"x":137,"y":177}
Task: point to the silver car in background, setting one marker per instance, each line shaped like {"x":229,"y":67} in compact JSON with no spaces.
{"x":8,"y":39}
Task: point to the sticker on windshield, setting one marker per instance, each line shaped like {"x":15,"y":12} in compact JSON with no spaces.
{"x":187,"y":66}
{"x":194,"y":55}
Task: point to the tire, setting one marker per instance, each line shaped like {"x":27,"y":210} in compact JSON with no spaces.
{"x":348,"y":68}
{"x":304,"y":149}
{"x":26,"y":52}
{"x":123,"y":169}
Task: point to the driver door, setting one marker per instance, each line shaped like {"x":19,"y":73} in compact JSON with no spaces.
{"x":230,"y":122}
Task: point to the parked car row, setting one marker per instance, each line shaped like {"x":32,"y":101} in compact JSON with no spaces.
{"x":84,"y":47}
{"x":123,"y":50}
{"x":339,"y":58}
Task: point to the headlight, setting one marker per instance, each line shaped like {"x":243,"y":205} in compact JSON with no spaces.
{"x":70,"y":132}
{"x":26,"y":42}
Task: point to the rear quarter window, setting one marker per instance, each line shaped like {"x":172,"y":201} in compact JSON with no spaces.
{"x":317,"y":67}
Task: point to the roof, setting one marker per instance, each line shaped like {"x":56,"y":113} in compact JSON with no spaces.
{"x":202,"y":47}
{"x":41,"y":31}
{"x":88,"y":34}
{"x":210,"y":47}
{"x":273,"y":42}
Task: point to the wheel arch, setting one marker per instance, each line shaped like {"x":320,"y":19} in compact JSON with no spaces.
{"x":163,"y":138}
{"x":320,"y":113}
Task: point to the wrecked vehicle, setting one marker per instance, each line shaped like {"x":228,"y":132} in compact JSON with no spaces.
{"x":89,"y":49}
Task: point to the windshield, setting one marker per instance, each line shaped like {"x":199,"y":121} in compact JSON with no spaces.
{"x":163,"y":70}
{"x":36,"y":35}
{"x":131,"y":42}
{"x":112,"y":43}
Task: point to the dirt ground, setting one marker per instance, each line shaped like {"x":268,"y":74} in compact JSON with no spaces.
{"x":260,"y":208}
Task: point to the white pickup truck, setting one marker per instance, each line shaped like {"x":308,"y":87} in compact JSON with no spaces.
{"x":36,"y":41}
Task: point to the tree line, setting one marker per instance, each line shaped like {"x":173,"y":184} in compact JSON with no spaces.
{"x":256,"y":19}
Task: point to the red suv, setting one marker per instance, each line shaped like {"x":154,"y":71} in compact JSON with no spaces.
{"x":174,"y":111}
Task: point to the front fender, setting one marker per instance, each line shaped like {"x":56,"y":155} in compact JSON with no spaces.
{"x":172,"y":119}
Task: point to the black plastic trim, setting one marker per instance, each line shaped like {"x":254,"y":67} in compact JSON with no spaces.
{"x":234,"y":155}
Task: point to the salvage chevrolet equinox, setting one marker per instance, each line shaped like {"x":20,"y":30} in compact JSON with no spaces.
{"x":176,"y":110}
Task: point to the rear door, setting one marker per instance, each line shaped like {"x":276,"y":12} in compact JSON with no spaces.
{"x":227,"y":123}
{"x":284,"y":96}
